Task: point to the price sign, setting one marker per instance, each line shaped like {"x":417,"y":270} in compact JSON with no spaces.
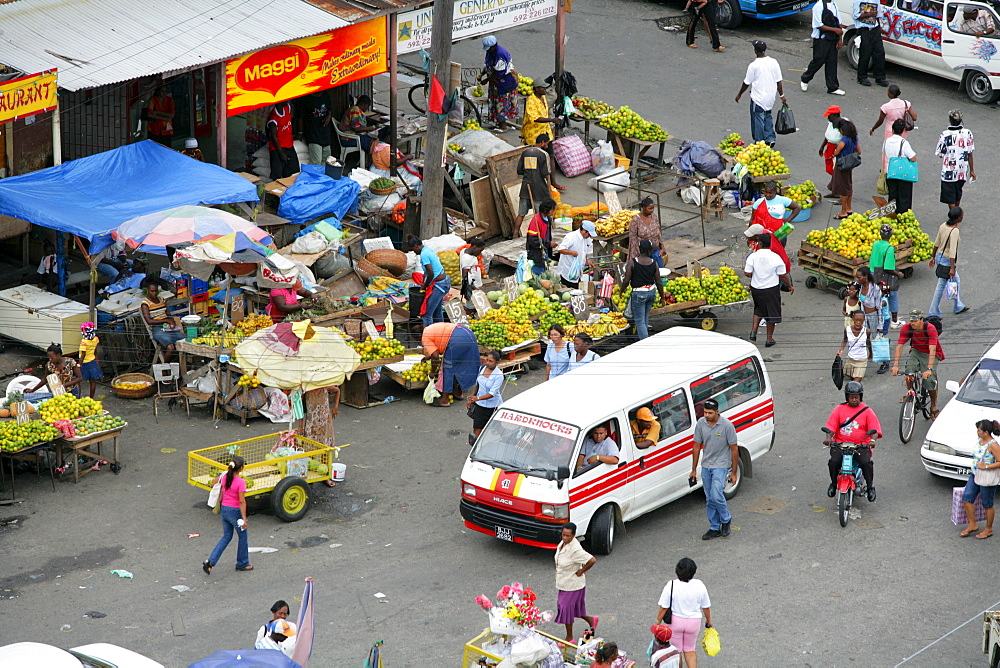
{"x":22,"y":411}
{"x":579,"y":306}
{"x":370,"y":329}
{"x":614,"y":205}
{"x":55,"y":384}
{"x":481,"y":302}
{"x":510,"y":287}
{"x":456,"y":312}
{"x":882,"y":211}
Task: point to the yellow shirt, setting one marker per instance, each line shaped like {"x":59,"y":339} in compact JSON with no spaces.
{"x":88,"y":350}
{"x":653,"y":433}
{"x":535,"y":107}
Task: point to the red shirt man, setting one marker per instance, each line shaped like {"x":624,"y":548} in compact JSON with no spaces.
{"x":280,"y":144}
{"x":855,"y":431}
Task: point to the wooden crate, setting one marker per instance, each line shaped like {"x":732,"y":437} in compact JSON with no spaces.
{"x":678,"y":307}
{"x":839,"y":267}
{"x":408,"y":384}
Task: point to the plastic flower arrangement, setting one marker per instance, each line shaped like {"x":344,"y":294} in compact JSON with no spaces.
{"x":517,"y":603}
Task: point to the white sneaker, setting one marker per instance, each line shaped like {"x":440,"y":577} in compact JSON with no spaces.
{"x":837,"y":92}
{"x":895,"y":324}
{"x":803,"y":85}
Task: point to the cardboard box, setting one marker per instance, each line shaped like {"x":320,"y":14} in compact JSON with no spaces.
{"x":279,"y":187}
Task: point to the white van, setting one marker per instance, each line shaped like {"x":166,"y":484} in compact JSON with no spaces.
{"x":520,"y":482}
{"x":934,"y":37}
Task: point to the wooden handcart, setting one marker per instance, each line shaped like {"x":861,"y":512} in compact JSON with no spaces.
{"x":832,"y":271}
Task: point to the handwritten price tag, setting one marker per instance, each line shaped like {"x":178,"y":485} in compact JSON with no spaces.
{"x":579,"y":306}
{"x":481,"y":302}
{"x":510,"y":288}
{"x":455,"y":312}
{"x":373,"y":333}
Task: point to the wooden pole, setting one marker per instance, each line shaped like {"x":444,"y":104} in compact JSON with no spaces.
{"x":221,"y":115}
{"x":432,"y":207}
{"x":560,"y":51}
{"x":393,"y":89}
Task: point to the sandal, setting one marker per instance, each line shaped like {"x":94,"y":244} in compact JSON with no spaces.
{"x":248,"y":567}
{"x":207,"y":567}
{"x":968,"y":531}
{"x":843,"y":216}
{"x":986,"y":533}
{"x":934,"y":414}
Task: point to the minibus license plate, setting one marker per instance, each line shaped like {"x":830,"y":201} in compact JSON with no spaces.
{"x":503,"y":533}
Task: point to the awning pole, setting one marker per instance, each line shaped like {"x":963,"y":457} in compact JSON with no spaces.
{"x":221,"y":116}
{"x":432,"y":207}
{"x":560,"y":52}
{"x":393,"y":90}
{"x":93,"y":277}
{"x":56,"y":136}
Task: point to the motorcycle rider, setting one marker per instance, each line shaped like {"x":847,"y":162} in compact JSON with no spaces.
{"x":850,"y":423}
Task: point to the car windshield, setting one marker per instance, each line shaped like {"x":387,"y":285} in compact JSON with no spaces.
{"x":982,"y":387}
{"x":525,"y":443}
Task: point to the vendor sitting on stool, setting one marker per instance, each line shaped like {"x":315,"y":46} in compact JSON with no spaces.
{"x":383,"y":163}
{"x":455,"y":351}
{"x":286,"y":300}
{"x":355,"y":122}
{"x":165,"y":328}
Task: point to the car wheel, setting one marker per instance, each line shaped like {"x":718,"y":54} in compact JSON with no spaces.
{"x":290,"y":499}
{"x":853,"y":50}
{"x":979,"y":89}
{"x":602,"y":530}
{"x":728,"y":14}
{"x":732,"y":490}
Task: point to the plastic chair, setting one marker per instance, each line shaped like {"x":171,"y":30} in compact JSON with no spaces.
{"x":167,"y":377}
{"x":158,"y":352}
{"x":346,"y":149}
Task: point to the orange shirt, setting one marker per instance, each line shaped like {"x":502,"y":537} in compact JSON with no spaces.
{"x":435,"y":338}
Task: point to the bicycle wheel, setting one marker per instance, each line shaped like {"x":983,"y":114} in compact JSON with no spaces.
{"x":843,"y":506}
{"x":906,"y":415}
{"x":418,"y":97}
{"x":925,"y":403}
{"x":470,"y":110}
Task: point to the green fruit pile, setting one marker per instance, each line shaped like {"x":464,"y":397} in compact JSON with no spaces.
{"x":557,"y":314}
{"x":803,"y":194}
{"x":762,"y":160}
{"x":86,"y":426}
{"x":524,"y":85}
{"x":627,"y":123}
{"x":732,"y":144}
{"x":14,"y":436}
{"x":318,"y":466}
{"x":377,"y":349}
{"x":471,"y":124}
{"x":854,"y":237}
{"x":452,"y":266}
{"x":591,"y":109}
{"x":418,"y":373}
{"x":381,"y":183}
{"x":722,"y":289}
{"x":66,"y":407}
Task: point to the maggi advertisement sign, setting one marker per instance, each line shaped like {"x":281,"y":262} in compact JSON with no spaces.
{"x":305,"y":66}
{"x":28,"y":96}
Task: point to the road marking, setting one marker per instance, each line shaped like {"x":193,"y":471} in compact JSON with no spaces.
{"x":978,"y":615}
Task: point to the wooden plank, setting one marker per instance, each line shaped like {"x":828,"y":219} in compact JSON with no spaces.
{"x":678,"y":307}
{"x":484,"y":208}
{"x":681,"y":251}
{"x":502,"y":169}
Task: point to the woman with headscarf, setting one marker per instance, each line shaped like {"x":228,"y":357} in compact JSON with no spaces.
{"x":646,"y":225}
{"x":498,"y":71}
{"x":90,"y":370}
{"x":455,"y":352}
{"x":383,"y":162}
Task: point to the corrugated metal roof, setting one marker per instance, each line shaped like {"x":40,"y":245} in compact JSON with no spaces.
{"x":98,"y":42}
{"x":356,"y":10}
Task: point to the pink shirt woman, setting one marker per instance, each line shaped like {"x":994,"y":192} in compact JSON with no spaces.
{"x":890,"y":112}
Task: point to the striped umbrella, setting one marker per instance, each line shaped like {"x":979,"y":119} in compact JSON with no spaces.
{"x":236,"y":253}
{"x":306,"y":627}
{"x":153,"y":232}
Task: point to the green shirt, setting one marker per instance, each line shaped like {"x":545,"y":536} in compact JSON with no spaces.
{"x":883,"y":256}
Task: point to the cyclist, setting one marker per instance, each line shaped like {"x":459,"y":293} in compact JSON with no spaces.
{"x":850,"y":423}
{"x":925,"y":352}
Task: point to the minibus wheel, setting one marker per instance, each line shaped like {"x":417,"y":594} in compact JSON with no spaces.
{"x":602,"y":530}
{"x":731,"y":490}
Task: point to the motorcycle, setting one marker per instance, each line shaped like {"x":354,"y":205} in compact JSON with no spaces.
{"x":849,"y":480}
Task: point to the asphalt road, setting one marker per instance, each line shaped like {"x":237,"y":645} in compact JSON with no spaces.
{"x":790,"y":588}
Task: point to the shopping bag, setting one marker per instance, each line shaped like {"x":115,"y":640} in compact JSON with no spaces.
{"x":881,"y":187}
{"x":902,"y":169}
{"x":710,"y":642}
{"x":837,"y":373}
{"x":574,"y":271}
{"x":430,"y":393}
{"x":214,"y":493}
{"x":880,"y":349}
{"x":784,"y":124}
{"x":951,"y":289}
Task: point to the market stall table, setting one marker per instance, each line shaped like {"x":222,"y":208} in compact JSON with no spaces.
{"x":213,"y":354}
{"x":31,"y":452}
{"x":636,"y":149}
{"x":355,"y":392}
{"x":79,"y":448}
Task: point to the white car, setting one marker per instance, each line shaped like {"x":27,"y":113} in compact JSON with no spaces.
{"x":947,"y":450}
{"x":96,"y":655}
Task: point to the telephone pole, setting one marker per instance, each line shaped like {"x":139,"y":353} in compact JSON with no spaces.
{"x":432,"y":204}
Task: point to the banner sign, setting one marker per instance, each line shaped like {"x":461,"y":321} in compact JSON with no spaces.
{"x":472,"y":19}
{"x":306,"y":66}
{"x":28,"y":96}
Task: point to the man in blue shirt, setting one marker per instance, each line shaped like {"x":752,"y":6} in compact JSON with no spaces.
{"x":827,"y":38}
{"x":871,"y":52}
{"x":597,"y":448}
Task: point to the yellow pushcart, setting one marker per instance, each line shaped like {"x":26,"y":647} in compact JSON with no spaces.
{"x":286,"y":479}
{"x":476,"y":655}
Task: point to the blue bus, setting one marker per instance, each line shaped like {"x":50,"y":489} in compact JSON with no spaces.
{"x":731,"y":13}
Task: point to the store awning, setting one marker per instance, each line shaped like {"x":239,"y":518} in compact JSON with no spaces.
{"x":98,"y":42}
{"x":91,"y":196}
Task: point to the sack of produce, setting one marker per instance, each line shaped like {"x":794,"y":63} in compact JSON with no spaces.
{"x":571,"y":156}
{"x":314,"y":242}
{"x":613,"y":181}
{"x":602,"y":158}
{"x":452,"y":266}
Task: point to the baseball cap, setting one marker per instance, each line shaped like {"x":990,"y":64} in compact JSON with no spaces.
{"x":489,"y":41}
{"x":538,"y":83}
{"x":644,"y":414}
{"x":759,"y":45}
{"x":916,"y":314}
{"x":590,"y":227}
{"x":832,"y":109}
{"x":754,"y":230}
{"x":281,"y":626}
{"x":661,"y":632}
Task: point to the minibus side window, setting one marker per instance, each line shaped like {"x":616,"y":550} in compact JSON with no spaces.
{"x":613,"y":433}
{"x":972,"y":20}
{"x":673,"y":413}
{"x":731,"y":387}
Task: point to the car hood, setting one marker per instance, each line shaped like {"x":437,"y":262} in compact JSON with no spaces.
{"x":956,"y":425}
{"x":119,"y":656}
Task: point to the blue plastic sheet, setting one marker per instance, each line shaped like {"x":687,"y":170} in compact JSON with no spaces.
{"x":315,"y":194}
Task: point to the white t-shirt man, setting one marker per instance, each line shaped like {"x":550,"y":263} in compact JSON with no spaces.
{"x":817,"y":15}
{"x":687,"y":600}
{"x":574,"y":241}
{"x":763,"y":75}
{"x":896,"y":145}
{"x":765,"y":267}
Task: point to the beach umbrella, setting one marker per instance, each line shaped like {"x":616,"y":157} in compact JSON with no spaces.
{"x":306,"y":627}
{"x":297,"y":355}
{"x":153,"y":232}
{"x":246,"y":658}
{"x":235,"y":253}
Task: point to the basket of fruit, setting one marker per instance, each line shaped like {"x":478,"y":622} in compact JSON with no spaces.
{"x":133,"y":386}
{"x":382,"y":186}
{"x":390,"y":259}
{"x":368,"y":270}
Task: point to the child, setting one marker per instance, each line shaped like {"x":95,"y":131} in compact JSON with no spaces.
{"x":887,"y":322}
{"x":851,"y":302}
{"x":48,"y":277}
{"x":89,"y":367}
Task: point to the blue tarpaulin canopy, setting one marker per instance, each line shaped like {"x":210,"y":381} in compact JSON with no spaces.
{"x":315,"y":194}
{"x":91,"y":196}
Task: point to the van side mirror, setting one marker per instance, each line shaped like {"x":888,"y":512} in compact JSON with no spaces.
{"x":562,"y":473}
{"x":952,"y":386}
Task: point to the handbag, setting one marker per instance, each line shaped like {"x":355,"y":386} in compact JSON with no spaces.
{"x":886,"y":276}
{"x":881,"y":187}
{"x":951,"y":289}
{"x":846,"y":163}
{"x":986,"y":477}
{"x":784,"y":124}
{"x":217,"y":491}
{"x":829,"y":19}
{"x":880,"y":349}
{"x":837,"y":372}
{"x":908,"y":123}
{"x":943,"y":270}
{"x":902,"y":169}
{"x":668,"y":616}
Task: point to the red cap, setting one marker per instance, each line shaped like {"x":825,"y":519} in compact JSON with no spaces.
{"x":832,"y":109}
{"x":661,"y":632}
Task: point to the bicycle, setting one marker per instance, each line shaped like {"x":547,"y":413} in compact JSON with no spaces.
{"x":417,"y":95}
{"x":914,"y":400}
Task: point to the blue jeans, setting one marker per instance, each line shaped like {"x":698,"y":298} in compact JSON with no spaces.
{"x":658,"y":258}
{"x":714,"y":481}
{"x":229,"y":517}
{"x":642,"y":304}
{"x":761,"y":124}
{"x":108,"y":270}
{"x":972,"y":490}
{"x":935,"y":308}
{"x":435,"y":303}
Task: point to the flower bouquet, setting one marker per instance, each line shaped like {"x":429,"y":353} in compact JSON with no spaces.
{"x":513,"y":610}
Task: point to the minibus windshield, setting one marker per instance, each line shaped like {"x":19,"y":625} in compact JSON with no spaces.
{"x":525,"y":444}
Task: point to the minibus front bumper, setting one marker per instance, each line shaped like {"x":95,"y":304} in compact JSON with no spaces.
{"x":510,"y":526}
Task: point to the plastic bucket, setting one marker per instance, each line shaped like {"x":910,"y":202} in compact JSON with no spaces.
{"x":804,"y":214}
{"x":334,"y":171}
{"x":339,"y":472}
{"x":191,"y":332}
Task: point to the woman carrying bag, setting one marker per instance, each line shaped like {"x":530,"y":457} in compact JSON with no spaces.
{"x":900,"y":168}
{"x":984,"y":478}
{"x":847,"y":156}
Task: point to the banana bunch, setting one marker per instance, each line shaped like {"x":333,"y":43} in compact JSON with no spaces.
{"x":608,"y":324}
{"x":616,"y":224}
{"x":224,"y":339}
{"x":254,"y":322}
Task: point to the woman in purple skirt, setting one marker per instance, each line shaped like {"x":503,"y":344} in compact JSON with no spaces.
{"x":572,"y":561}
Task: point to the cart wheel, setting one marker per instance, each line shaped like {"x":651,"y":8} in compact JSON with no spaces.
{"x":290,"y":499}
{"x":842,"y":292}
{"x":907,"y":272}
{"x":688,"y":315}
{"x":811,"y":282}
{"x":709,"y":321}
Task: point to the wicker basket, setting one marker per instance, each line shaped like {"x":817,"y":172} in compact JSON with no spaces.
{"x":390,"y":259}
{"x":133,"y":378}
{"x":382,"y":191}
{"x":368,"y":270}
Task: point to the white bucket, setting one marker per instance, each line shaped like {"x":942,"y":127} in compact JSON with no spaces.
{"x":563,"y":223}
{"x":339,"y":472}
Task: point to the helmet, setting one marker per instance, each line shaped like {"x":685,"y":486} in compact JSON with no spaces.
{"x":854,"y":387}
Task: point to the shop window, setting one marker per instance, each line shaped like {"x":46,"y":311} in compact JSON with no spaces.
{"x":731,"y":387}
